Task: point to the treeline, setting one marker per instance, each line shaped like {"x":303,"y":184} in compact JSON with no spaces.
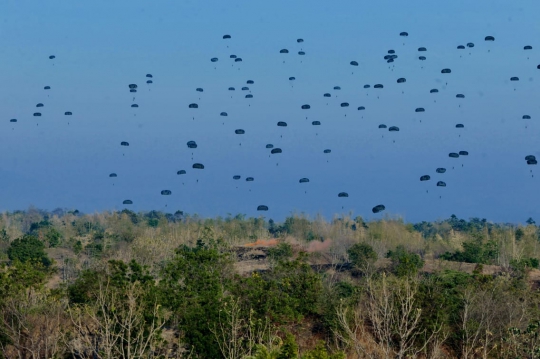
{"x":157,"y":285}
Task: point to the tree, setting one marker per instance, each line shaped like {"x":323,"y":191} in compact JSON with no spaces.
{"x":28,"y":249}
{"x":362,"y":256}
{"x":405,"y":263}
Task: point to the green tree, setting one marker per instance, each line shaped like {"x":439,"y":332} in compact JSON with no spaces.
{"x":362,"y":255}
{"x":28,"y":249}
{"x":405,"y":263}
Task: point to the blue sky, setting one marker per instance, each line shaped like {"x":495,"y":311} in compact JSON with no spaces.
{"x":102,"y":46}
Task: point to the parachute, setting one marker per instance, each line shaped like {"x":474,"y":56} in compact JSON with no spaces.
{"x":382,"y":126}
{"x":354,"y":63}
{"x":361,"y":108}
{"x":316,"y":123}
{"x":149,"y":75}
{"x":489,"y":38}
{"x":223,"y":114}
{"x":404,"y":33}
{"x":198,"y":89}
{"x":192,"y":144}
{"x":446,"y":71}
{"x":327,"y":151}
{"x":181,"y":172}
{"x":460,"y":95}
{"x":391,"y":51}
{"x":39,"y":105}
{"x":127,"y":201}
{"x":276,"y":150}
{"x":198,"y":166}
{"x":343,"y":194}
{"x":526,"y":117}
{"x":532,"y":162}
{"x":250,"y":82}
{"x":132,"y":86}
{"x":306,"y":107}
{"x":470,"y":44}
{"x":37,"y":114}
{"x":231,"y":88}
{"x":378,"y":208}
{"x":401,"y":80}
{"x":245,"y":88}
{"x":236,"y":177}
{"x":47,"y":88}
{"x":67,"y":113}
{"x":337,"y":88}
{"x":344,"y":104}
{"x":250,"y":179}
{"x":530,"y":158}
{"x":461,"y":47}
{"x":292,"y":78}
{"x":441,"y":184}
{"x":440,"y":170}
{"x":269,"y":145}
{"x":393,"y":129}
{"x":425,"y":178}
{"x":327,"y":95}
{"x":238,"y":59}
{"x":422,"y":49}
{"x":528,"y":47}
{"x":113,"y":175}
{"x":282,"y":124}
{"x":239,"y":132}
{"x":453,"y":155}
{"x":52,"y":57}
{"x":134,"y":105}
{"x":283,"y":51}
{"x":13,"y":120}
{"x":193,"y":105}
{"x":262,"y":208}
{"x":166,"y":192}
{"x":214,"y":59}
{"x":304,"y":180}
{"x":420,"y":109}
{"x":378,"y":86}
{"x":366,"y":86}
{"x":433,"y":91}
{"x":514,"y":78}
{"x":463,"y":153}
{"x":124,"y":143}
{"x":460,"y":125}
{"x":226,"y":36}
{"x":149,"y":82}
{"x":421,"y":58}
{"x":301,"y":53}
{"x":249,"y":96}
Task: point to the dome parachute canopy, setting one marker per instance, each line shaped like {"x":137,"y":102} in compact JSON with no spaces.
{"x":198,"y":89}
{"x":344,"y":104}
{"x":425,"y":178}
{"x":470,"y":44}
{"x":527,"y":47}
{"x":214,"y":59}
{"x":532,"y":162}
{"x":460,"y":95}
{"x":526,"y":117}
{"x":460,"y":125}
{"x":249,"y":96}
{"x":382,"y":126}
{"x":422,"y":49}
{"x":343,"y":194}
{"x":132,"y":90}
{"x":226,"y":36}
{"x":367,"y":86}
{"x":391,"y":51}
{"x":306,"y":107}
{"x":192,"y":144}
{"x":514,"y":78}
{"x":39,"y":105}
{"x":489,"y":38}
{"x":441,"y":184}
{"x":223,"y":114}
{"x":149,"y":82}
{"x":304,"y":180}
{"x":47,"y":88}
{"x":250,"y":179}
{"x":134,"y":105}
{"x":316,"y":123}
{"x":327,"y":95}
{"x":262,"y":208}
{"x":378,"y":86}
{"x":440,"y":170}
{"x":239,"y":132}
{"x":354,"y":63}
{"x":250,"y":82}
{"x":283,"y":51}
{"x":127,"y":201}
{"x":52,"y":57}
{"x":231,"y":88}
{"x":299,"y":40}
{"x":282,"y":124}
{"x":193,"y":105}
{"x":37,"y":114}
{"x":361,"y":108}
{"x":530,"y":157}
{"x":420,"y":109}
{"x":276,"y":150}
{"x":453,"y":155}
{"x":433,"y":91}
{"x":149,"y":75}
{"x":269,"y":145}
{"x":13,"y":120}
{"x":124,"y":143}
{"x":461,"y":47}
{"x":378,"y":208}
{"x":337,"y":88}
{"x":113,"y":175}
{"x":393,"y":129}
{"x":245,"y":88}
{"x":238,"y":59}
{"x":166,"y":192}
{"x":327,"y":151}
{"x":446,"y":71}
{"x":292,"y":78}
{"x":404,"y":33}
{"x":236,"y":177}
{"x":422,"y":58}
{"x":301,"y":53}
{"x":132,"y":86}
{"x":463,"y":153}
{"x":68,"y":113}
{"x":181,"y":172}
{"x":401,"y":80}
{"x":198,"y":166}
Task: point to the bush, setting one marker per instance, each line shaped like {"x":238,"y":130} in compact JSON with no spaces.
{"x":361,"y":255}
{"x":405,"y":263}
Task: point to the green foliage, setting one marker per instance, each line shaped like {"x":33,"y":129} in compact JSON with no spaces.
{"x":320,"y":352}
{"x":475,"y":252}
{"x":289,"y":349}
{"x":282,"y":251}
{"x":28,"y":249}
{"x":361,"y":255}
{"x":405,"y":263}
{"x":524,"y":264}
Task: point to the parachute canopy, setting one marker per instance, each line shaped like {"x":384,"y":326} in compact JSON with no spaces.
{"x":166,"y":192}
{"x":304,"y":180}
{"x":276,"y":150}
{"x":440,"y":170}
{"x":441,"y":184}
{"x":343,"y":194}
{"x":193,"y":105}
{"x":425,"y":178}
{"x":262,"y":208}
{"x":124,"y":143}
{"x":127,"y":201}
{"x":198,"y":166}
{"x":181,"y":172}
{"x":378,"y":208}
{"x":192,"y":144}
{"x":239,"y":132}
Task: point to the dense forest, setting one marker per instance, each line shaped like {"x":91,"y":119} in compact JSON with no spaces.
{"x":160,"y":285}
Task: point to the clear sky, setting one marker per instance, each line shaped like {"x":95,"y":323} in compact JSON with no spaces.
{"x":102,"y":46}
